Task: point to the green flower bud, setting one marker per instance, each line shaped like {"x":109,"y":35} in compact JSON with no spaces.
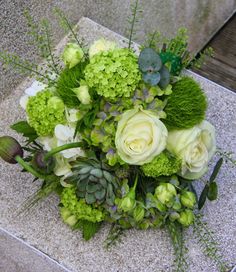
{"x":186,"y":218}
{"x":188,"y":199}
{"x":138,"y":213}
{"x":177,"y":205}
{"x":128,"y":202}
{"x":41,"y":165}
{"x":144,"y":225}
{"x":9,"y":149}
{"x":83,"y":95}
{"x":174,"y":216}
{"x":72,"y":54}
{"x":165,"y":193}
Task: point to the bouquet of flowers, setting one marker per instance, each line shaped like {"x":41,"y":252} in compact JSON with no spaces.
{"x":120,"y":137}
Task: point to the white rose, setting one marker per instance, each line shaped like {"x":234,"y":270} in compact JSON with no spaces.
{"x":195,"y":147}
{"x":101,"y":45}
{"x":140,"y":136}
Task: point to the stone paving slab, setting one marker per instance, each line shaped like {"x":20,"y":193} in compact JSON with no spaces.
{"x":147,"y":251}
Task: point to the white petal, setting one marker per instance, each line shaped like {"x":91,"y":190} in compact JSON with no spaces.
{"x":63,"y":133}
{"x":23,"y":101}
{"x":35,"y":88}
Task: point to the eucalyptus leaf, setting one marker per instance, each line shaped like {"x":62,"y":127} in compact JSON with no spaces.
{"x":216,"y":170}
{"x":165,"y":77}
{"x":213,"y":191}
{"x":203,"y":197}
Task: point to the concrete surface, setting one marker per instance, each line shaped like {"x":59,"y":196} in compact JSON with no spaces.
{"x":202,"y":17}
{"x":19,"y":262}
{"x":138,"y":251}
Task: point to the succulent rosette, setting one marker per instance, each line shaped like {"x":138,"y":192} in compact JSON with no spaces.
{"x":120,"y":137}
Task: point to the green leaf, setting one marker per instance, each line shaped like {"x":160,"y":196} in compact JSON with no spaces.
{"x":88,"y":228}
{"x":203,"y":196}
{"x":24,"y":128}
{"x":213,"y":191}
{"x":216,"y":169}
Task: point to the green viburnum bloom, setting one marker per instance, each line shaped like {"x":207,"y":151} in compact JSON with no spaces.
{"x":165,"y":193}
{"x":186,"y":218}
{"x":79,"y":208}
{"x":72,"y":55}
{"x":45,"y":111}
{"x":113,"y":73}
{"x":188,"y":199}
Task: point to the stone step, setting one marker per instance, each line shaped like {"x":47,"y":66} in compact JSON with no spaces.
{"x":41,"y":228}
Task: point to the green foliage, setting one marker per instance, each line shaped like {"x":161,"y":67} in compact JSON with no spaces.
{"x":113,"y":73}
{"x":135,"y":10}
{"x":89,"y":229}
{"x":173,"y":61}
{"x":42,"y":38}
{"x":204,"y":235}
{"x":42,"y":116}
{"x":152,"y":69}
{"x":227,"y":155}
{"x":164,"y":164}
{"x":186,"y":106}
{"x":210,"y":190}
{"x":201,"y":58}
{"x":68,"y":26}
{"x":51,"y":184}
{"x":24,"y":67}
{"x":114,"y":236}
{"x":26,"y":130}
{"x":180,"y":250}
{"x":79,"y":208}
{"x":67,"y":81}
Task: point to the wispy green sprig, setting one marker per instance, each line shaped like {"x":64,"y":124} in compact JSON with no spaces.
{"x":180,"y":250}
{"x":114,"y":236}
{"x":210,"y":247}
{"x":65,"y":23}
{"x":227,"y":155}
{"x":135,"y":11}
{"x":24,"y":67}
{"x":41,"y":36}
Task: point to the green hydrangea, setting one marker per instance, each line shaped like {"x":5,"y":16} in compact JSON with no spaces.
{"x":79,"y":208}
{"x":113,"y":73}
{"x":164,"y":164}
{"x":45,"y":111}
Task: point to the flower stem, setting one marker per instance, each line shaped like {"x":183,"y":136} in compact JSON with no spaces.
{"x":28,"y":168}
{"x":61,"y":148}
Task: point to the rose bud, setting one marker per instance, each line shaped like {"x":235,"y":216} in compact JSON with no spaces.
{"x":40,"y":164}
{"x":165,"y":193}
{"x":9,"y":149}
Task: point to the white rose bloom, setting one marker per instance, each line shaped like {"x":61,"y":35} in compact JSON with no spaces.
{"x":195,"y":146}
{"x":31,"y":91}
{"x":101,"y":45}
{"x":140,"y":136}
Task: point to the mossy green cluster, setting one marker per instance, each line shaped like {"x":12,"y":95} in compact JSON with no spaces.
{"x":68,"y":80}
{"x":43,"y":116}
{"x":163,"y":165}
{"x":79,"y":208}
{"x":113,"y":73}
{"x":186,"y":106}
